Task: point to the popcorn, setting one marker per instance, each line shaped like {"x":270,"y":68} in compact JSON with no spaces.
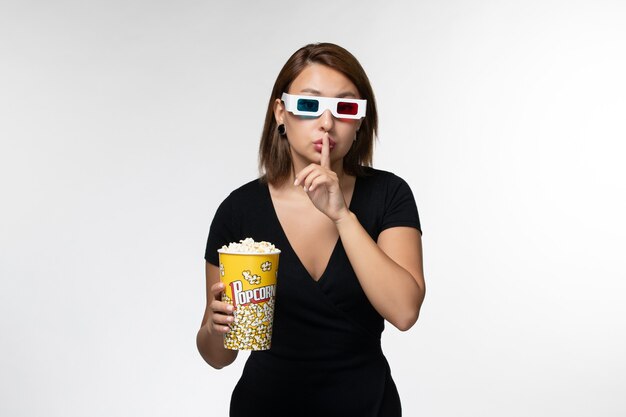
{"x":249,"y":271}
{"x":252,"y":279}
{"x":248,"y":245}
{"x":253,"y":328}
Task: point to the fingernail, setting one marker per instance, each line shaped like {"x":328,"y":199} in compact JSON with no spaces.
{"x":230,"y":308}
{"x":295,"y":182}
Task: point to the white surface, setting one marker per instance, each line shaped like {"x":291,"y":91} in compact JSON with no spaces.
{"x":121,"y":132}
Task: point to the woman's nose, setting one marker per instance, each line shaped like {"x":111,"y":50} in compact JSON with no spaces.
{"x":327,"y":120}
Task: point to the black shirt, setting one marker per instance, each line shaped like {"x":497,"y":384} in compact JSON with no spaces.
{"x":325,"y":358}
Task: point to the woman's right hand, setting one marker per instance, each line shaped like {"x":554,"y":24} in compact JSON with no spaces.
{"x":215,"y":322}
{"x":220,"y":313}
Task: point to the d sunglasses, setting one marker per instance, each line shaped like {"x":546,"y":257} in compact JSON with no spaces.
{"x":313,"y":106}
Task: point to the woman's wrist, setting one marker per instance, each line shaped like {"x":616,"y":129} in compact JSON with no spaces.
{"x":346,"y":217}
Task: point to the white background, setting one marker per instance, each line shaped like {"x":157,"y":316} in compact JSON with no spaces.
{"x":123,"y":124}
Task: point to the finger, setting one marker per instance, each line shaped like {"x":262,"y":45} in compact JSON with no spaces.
{"x":327,"y":177}
{"x":319,"y":181}
{"x":310,"y":178}
{"x":222,"y":316}
{"x":223,"y":319}
{"x":300,"y":176}
{"x":221,"y":307}
{"x":220,"y":328}
{"x":325,"y":161}
{"x":217,"y":288}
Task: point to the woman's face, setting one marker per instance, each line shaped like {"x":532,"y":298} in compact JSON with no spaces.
{"x":305,"y":133}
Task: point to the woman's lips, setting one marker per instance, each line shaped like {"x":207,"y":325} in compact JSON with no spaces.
{"x":320,"y":143}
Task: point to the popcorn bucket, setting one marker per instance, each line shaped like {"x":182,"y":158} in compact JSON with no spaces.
{"x":250,"y":286}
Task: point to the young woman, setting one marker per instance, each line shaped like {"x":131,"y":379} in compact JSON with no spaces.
{"x":351,"y":256}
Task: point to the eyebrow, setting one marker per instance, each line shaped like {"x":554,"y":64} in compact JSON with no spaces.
{"x":318,"y":93}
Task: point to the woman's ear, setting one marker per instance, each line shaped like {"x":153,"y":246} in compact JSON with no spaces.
{"x":279,"y":112}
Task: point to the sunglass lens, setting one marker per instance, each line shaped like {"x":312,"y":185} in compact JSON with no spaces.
{"x":347,"y":108}
{"x":308,"y":105}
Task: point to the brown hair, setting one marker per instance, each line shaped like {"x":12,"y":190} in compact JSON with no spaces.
{"x":274,"y":157}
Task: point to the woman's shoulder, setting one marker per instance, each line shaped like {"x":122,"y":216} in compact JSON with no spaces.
{"x":244,"y":199}
{"x":251,"y":189}
{"x":389,"y":198}
{"x":379,"y":178}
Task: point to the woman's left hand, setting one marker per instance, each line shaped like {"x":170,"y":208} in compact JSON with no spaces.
{"x":322,"y":186}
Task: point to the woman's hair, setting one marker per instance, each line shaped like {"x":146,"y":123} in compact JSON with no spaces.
{"x":274,"y":157}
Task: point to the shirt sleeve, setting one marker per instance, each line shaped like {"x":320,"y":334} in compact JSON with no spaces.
{"x":220,"y":232}
{"x":400,"y":206}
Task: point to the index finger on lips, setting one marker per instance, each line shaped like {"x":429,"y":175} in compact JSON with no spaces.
{"x":325,"y":160}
